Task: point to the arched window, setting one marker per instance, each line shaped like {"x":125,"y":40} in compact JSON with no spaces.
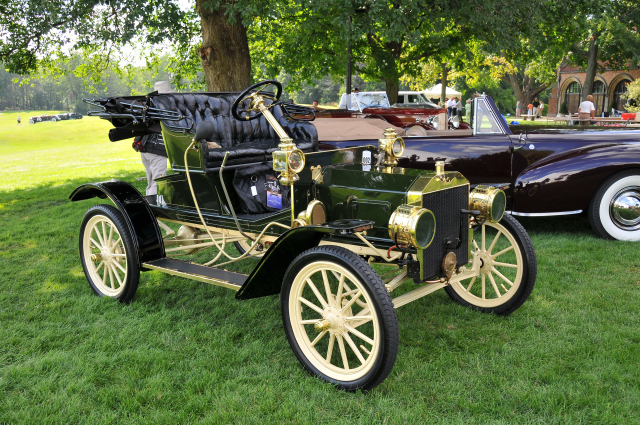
{"x":598,"y":97}
{"x":621,"y":88}
{"x":573,"y":97}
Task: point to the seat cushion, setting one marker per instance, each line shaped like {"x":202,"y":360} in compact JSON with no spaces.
{"x":246,"y":141}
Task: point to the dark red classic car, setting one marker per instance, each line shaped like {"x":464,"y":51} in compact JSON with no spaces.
{"x":413,"y":120}
{"x":555,"y":172}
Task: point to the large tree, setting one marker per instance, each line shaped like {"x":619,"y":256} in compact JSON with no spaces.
{"x":32,"y":31}
{"x":608,"y":38}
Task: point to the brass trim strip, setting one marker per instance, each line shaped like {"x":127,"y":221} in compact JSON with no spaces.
{"x":197,"y":277}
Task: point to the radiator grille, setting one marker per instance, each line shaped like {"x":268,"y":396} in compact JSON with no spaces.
{"x":446,"y":206}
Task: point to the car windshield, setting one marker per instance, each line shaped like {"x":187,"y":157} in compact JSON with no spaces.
{"x":359,"y":101}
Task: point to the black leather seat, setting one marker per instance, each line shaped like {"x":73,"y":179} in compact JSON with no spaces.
{"x":246,"y":141}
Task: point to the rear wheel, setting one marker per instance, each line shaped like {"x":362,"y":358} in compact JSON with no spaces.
{"x":415,"y":130}
{"x":339,"y":318}
{"x":244,"y":245}
{"x":108,"y":253}
{"x":614,"y":211}
{"x":508,"y":271}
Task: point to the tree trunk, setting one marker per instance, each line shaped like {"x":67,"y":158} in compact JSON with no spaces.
{"x":225,"y":51}
{"x":592,"y":66}
{"x":392,"y":90}
{"x":443,"y":92}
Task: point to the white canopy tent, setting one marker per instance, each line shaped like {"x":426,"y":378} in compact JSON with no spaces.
{"x":435,"y":92}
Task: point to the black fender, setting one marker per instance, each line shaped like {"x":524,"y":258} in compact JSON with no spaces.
{"x":266,"y":278}
{"x":147,"y":237}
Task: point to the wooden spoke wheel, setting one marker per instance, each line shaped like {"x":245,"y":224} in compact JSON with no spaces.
{"x":339,"y":318}
{"x":508,"y":269}
{"x":244,"y":245}
{"x":108,"y":254}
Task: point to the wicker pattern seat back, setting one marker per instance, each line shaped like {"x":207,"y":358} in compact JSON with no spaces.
{"x":246,"y":141}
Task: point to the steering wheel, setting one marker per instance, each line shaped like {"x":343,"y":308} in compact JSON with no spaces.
{"x":238,"y":112}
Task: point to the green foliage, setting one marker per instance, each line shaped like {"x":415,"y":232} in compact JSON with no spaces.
{"x":633,"y":96}
{"x":564,"y":110}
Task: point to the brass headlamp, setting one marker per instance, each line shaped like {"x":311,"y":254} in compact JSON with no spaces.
{"x":412,"y":226}
{"x":391,"y":147}
{"x":315,"y":213}
{"x":490,"y":201}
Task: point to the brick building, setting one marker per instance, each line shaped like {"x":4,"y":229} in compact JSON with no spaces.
{"x":607,"y":88}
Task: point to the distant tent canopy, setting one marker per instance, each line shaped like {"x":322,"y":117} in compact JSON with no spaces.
{"x":435,"y":92}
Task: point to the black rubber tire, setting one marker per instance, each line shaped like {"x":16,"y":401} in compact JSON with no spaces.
{"x":527,"y":281}
{"x":599,"y":217}
{"x":129,"y":286}
{"x":380,"y":298}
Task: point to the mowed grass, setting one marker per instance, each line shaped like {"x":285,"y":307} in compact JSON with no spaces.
{"x":187,"y":352}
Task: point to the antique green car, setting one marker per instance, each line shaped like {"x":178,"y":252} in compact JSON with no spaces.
{"x":335,"y":233}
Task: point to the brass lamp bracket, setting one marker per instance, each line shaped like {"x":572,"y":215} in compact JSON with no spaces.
{"x":288,"y":160}
{"x":390,"y":147}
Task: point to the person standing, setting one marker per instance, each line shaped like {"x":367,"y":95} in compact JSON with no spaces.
{"x":586,"y":110}
{"x":518,"y":109}
{"x":459,"y":108}
{"x":536,"y":105}
{"x":530,"y":111}
{"x":153,"y":152}
{"x":18,"y":119}
{"x":449,"y":107}
{"x":541,"y":109}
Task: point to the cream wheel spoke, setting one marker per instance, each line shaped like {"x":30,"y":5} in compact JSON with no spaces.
{"x":312,"y":305}
{"x":351,"y":301}
{"x":97,"y":245}
{"x":119,"y":255}
{"x":355,"y":349}
{"x":339,"y":292}
{"x":483,"y":286}
{"x":104,"y":275}
{"x":332,"y":339}
{"x":96,"y":231}
{"x":475,"y":245}
{"x":504,"y":251}
{"x":104,"y":234}
{"x":493,"y":244}
{"x":109,"y":267}
{"x":117,"y":275}
{"x":120,"y":267}
{"x":318,"y":338}
{"x":111,"y":238}
{"x":484,"y":238}
{"x":327,"y":288}
{"x":502,"y":276}
{"x":343,"y":352}
{"x":99,"y":265}
{"x":316,"y":292}
{"x":473,"y":280}
{"x":511,"y":265}
{"x":493,"y":283}
{"x":359,"y":334}
{"x":309,"y":322}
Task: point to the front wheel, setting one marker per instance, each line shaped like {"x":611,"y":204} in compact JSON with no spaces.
{"x":614,"y":211}
{"x":339,"y":318}
{"x":508,"y":269}
{"x":108,"y":253}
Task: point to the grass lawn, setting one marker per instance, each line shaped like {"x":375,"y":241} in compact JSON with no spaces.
{"x":187,"y":352}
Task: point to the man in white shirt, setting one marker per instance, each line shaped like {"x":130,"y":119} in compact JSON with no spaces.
{"x":587,"y":110}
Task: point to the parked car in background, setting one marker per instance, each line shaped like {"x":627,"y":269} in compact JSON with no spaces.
{"x":56,"y":117}
{"x":376,"y":105}
{"x":555,"y":172}
{"x":414,"y":99}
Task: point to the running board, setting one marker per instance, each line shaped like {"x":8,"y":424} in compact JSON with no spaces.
{"x":193,"y":271}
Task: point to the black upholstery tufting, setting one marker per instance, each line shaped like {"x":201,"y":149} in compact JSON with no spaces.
{"x":246,"y":141}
